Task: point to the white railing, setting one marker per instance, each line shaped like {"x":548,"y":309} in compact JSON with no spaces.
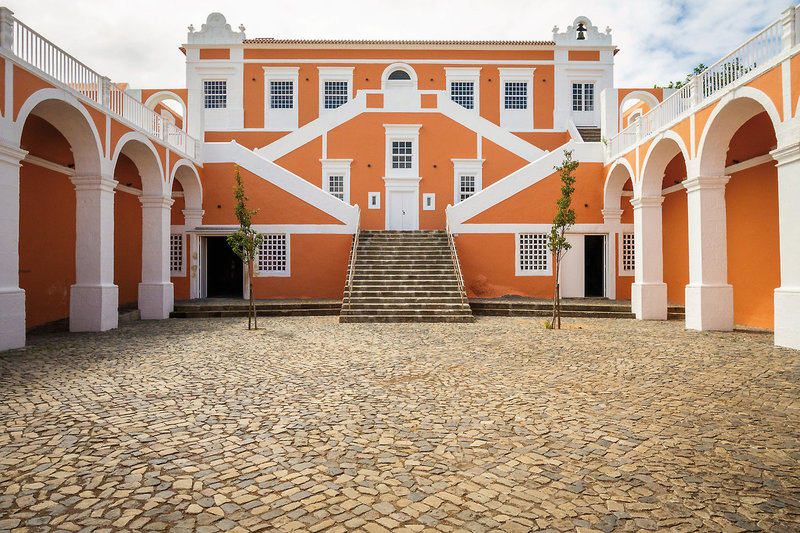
{"x":747,"y":59}
{"x":462,"y":290}
{"x":42,"y":55}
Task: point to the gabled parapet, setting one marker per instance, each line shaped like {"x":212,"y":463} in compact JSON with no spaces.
{"x":216,"y":30}
{"x":582,"y":33}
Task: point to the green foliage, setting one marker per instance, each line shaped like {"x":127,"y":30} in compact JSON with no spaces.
{"x":244,"y":242}
{"x":565,"y":217}
{"x":678,"y":84}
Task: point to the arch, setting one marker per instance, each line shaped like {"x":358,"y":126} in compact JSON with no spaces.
{"x":663,"y":149}
{"x":156,"y":98}
{"x":186,"y":174}
{"x":649,"y":98}
{"x":143,"y":153}
{"x":621,"y":171}
{"x":412,"y":82}
{"x":730,"y":113}
{"x":72,"y":120}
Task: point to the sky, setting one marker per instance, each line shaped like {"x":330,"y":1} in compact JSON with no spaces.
{"x":137,"y":41}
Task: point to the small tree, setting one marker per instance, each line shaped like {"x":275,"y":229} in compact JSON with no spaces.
{"x":245,"y":242}
{"x":564,"y":219}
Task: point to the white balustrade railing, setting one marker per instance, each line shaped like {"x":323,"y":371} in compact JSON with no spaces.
{"x":748,"y":59}
{"x":42,"y":55}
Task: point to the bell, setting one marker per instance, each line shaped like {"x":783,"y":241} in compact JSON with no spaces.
{"x":581,"y":30}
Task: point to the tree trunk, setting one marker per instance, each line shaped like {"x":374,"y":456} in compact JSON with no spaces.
{"x":253,"y":298}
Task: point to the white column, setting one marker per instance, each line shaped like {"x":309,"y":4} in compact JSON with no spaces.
{"x":787,"y":296}
{"x":93,"y":302}
{"x":156,"y":294}
{"x":612,"y":221}
{"x":193,"y":218}
{"x":709,"y":297}
{"x":648,"y":292}
{"x":12,"y":298}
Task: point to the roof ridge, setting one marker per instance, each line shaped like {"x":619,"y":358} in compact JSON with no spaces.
{"x":273,"y":40}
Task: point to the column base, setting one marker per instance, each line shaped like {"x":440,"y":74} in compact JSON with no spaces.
{"x":649,"y":301}
{"x":93,"y":307}
{"x":787,"y":317}
{"x":12,"y":318}
{"x":709,"y":307}
{"x":156,"y":300}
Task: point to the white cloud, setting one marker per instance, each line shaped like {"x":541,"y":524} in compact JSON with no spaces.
{"x":138,"y":42}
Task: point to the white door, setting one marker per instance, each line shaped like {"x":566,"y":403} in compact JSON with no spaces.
{"x":572,"y":268}
{"x":402,"y":210}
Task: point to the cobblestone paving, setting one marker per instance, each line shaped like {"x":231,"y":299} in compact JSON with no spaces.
{"x":309,"y":425}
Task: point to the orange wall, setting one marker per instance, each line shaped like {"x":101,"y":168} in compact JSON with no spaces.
{"x":318,"y":269}
{"x":127,"y":234}
{"x":675,"y":246}
{"x":215,"y":53}
{"x":753,"y":249}
{"x":47,"y":226}
{"x":583,"y":55}
{"x":181,"y":283}
{"x":487,"y":263}
{"x":623,"y":282}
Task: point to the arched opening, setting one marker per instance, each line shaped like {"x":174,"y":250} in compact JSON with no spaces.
{"x":617,"y":194}
{"x":635,"y":105}
{"x":399,"y":76}
{"x":61,"y":143}
{"x":186,"y":193}
{"x":736,"y":143}
{"x":169,"y":105}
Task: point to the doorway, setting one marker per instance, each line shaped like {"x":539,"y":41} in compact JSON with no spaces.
{"x":403,"y":209}
{"x":225,"y":274}
{"x":594,"y":250}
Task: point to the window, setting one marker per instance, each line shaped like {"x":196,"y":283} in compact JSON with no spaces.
{"x":429,"y":201}
{"x":399,"y":75}
{"x":281,"y":94}
{"x":466,"y":187}
{"x":628,"y":260}
{"x":273,"y":254}
{"x":374,"y":200}
{"x":516,"y":95}
{"x":336,"y":186}
{"x":215,"y":94}
{"x":463,"y":93}
{"x":335,"y":94}
{"x":533,"y":257}
{"x":401,"y":154}
{"x":583,"y":96}
{"x":176,"y":253}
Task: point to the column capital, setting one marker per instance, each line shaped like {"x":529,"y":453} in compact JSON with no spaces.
{"x":164,"y":202}
{"x":647,"y":201}
{"x":11,"y":155}
{"x":94,"y":183}
{"x":786,"y":154}
{"x":698,"y":183}
{"x":611,"y":215}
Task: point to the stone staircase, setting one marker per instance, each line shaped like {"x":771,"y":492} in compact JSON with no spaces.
{"x":404,"y":276}
{"x":590,"y":135}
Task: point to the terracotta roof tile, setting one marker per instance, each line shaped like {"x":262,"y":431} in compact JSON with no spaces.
{"x":271,"y":40}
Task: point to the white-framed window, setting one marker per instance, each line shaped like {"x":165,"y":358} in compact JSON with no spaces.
{"x":467,"y":177}
{"x":516,"y":98}
{"x":176,"y":255}
{"x":532,"y":256}
{"x":280,"y":109}
{"x":215,"y":94}
{"x":402,"y":150}
{"x":336,"y":178}
{"x":429,"y":201}
{"x":273,"y":255}
{"x":515,"y":95}
{"x":281,"y":94}
{"x":627,"y":255}
{"x":463,"y":86}
{"x":583,"y":96}
{"x":335,"y":87}
{"x":402,"y":154}
{"x":374,"y":200}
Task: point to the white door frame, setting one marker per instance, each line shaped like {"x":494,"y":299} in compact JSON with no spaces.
{"x":394,"y":185}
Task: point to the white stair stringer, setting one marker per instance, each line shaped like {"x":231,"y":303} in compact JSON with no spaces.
{"x":232,"y":152}
{"x":519,"y":180}
{"x":488,"y":129}
{"x":308,"y":132}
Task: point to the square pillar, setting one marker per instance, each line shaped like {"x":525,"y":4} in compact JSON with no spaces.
{"x":93,"y":299}
{"x":12,"y":298}
{"x":193,"y":218}
{"x":709,"y":297}
{"x":156,"y":293}
{"x":787,"y":296}
{"x":612,"y":221}
{"x":648,"y":292}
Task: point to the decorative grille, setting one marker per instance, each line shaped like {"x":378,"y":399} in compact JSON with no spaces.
{"x":176,"y":252}
{"x":628,"y":249}
{"x":272,"y":254}
{"x":533,"y":253}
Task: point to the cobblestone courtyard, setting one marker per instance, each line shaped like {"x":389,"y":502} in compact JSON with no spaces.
{"x":199,"y":425}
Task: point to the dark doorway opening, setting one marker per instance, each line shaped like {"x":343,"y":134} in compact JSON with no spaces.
{"x":594,"y":247}
{"x":225,"y":276}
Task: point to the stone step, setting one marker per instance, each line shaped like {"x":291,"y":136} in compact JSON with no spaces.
{"x":344,"y":319}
